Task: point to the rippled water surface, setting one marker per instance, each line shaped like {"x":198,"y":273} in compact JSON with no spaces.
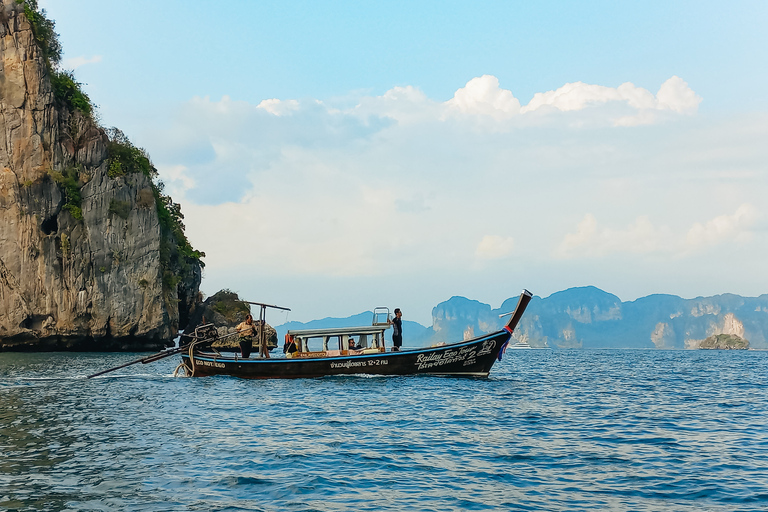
{"x":549,"y":430}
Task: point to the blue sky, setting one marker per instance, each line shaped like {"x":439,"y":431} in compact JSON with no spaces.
{"x":399,"y":153}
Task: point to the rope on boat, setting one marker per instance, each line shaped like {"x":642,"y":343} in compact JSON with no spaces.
{"x":179,"y":367}
{"x":188,"y":371}
{"x":192,"y":358}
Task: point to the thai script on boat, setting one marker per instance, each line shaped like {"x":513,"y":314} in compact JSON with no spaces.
{"x":465,"y":354}
{"x":357,"y":364}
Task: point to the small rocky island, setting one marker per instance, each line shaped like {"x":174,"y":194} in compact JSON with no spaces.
{"x":93,"y":254}
{"x":226,"y":310}
{"x":724,"y":342}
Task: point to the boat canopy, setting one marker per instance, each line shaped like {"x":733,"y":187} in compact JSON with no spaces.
{"x":369,"y":337}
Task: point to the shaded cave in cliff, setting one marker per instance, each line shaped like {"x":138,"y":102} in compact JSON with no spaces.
{"x":33,"y":322}
{"x":50,"y":224}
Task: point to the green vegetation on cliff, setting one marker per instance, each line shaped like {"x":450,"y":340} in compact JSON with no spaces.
{"x":43,"y":30}
{"x":228,"y":304}
{"x":69,"y":185}
{"x":176,"y":253}
{"x":125,"y":158}
{"x":66,"y":89}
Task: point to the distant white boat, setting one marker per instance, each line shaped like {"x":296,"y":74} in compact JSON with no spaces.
{"x":519,"y":345}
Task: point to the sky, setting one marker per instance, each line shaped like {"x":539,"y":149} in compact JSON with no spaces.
{"x":332,"y":157}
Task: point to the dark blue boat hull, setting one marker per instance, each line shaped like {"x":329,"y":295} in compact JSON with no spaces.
{"x":473,"y":357}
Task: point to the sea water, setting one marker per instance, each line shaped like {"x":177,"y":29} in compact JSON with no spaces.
{"x":549,"y":430}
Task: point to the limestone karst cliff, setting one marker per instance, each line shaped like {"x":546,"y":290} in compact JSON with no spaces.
{"x":92,"y":255}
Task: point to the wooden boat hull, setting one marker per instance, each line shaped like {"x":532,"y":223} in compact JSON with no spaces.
{"x":472,"y":358}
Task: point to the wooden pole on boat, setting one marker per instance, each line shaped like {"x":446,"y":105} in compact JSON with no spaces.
{"x":160,"y":355}
{"x":522,"y":303}
{"x":263,"y":352}
{"x":265,"y":305}
{"x":143,"y":360}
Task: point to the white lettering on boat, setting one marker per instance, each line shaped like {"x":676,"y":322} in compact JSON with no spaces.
{"x":465,"y":354}
{"x":488,"y":345}
{"x":215,"y":364}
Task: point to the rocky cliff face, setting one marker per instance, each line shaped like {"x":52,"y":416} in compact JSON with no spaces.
{"x":87,"y":274}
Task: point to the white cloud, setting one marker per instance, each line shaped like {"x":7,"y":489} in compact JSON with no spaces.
{"x":483,"y":100}
{"x":301,"y":227}
{"x":578,"y":96}
{"x":643,"y":237}
{"x":723,"y":228}
{"x":483,"y":96}
{"x":585,"y":235}
{"x":279,"y":107}
{"x":388,"y":176}
{"x":674,"y":95}
{"x":407,"y":105}
{"x":589,"y":240}
{"x":76,"y":62}
{"x":176,"y":179}
{"x":401,"y":188}
{"x":494,"y":247}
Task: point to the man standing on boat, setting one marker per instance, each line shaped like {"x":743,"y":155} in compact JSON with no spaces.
{"x":397,"y":330}
{"x":247,"y":331}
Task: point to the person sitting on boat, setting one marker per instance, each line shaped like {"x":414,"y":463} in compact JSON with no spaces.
{"x":352,"y":345}
{"x":247,"y":331}
{"x":290,"y":345}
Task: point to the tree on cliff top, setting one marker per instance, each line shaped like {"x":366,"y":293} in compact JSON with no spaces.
{"x":66,"y":89}
{"x":43,"y":30}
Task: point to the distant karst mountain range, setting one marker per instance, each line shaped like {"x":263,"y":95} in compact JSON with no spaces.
{"x":588,"y":317}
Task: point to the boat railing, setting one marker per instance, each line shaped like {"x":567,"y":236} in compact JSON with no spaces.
{"x":380,"y":316}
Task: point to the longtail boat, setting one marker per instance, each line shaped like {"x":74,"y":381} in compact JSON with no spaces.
{"x":473,"y":357}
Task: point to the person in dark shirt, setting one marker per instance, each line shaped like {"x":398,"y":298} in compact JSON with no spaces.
{"x":290,"y":345}
{"x":397,"y":330}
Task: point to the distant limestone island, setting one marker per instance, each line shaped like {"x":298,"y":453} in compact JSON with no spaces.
{"x":587,"y":317}
{"x":724,"y":342}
